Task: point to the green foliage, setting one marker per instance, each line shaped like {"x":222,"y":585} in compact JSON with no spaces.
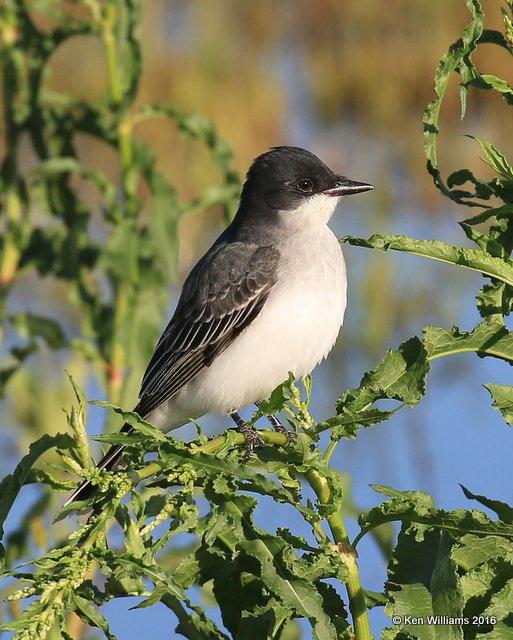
{"x":140,"y":251}
{"x":446,"y":564}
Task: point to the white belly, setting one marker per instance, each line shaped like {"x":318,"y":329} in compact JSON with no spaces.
{"x":295,"y":330}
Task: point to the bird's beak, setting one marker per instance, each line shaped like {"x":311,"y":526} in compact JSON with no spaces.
{"x":342,"y":186}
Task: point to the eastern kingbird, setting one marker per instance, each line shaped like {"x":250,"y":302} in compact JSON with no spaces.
{"x":267,"y":298}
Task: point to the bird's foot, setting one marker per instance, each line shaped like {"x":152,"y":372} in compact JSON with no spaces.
{"x":279,"y":428}
{"x":253,"y":439}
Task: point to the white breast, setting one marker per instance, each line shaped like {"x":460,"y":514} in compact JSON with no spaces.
{"x":295,"y":330}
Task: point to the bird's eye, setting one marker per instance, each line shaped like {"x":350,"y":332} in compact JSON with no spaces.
{"x":305,"y":185}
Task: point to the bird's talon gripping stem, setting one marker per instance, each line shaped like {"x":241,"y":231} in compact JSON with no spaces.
{"x":253,"y":439}
{"x":279,"y":428}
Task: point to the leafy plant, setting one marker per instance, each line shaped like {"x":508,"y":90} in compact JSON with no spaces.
{"x":450,"y":575}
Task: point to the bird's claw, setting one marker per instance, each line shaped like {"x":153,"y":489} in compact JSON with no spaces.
{"x":253,"y":439}
{"x":279,"y":428}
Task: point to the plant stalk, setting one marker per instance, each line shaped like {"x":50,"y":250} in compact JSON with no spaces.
{"x":355,"y":593}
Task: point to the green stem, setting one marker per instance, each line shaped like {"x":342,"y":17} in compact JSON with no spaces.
{"x":108,"y":23}
{"x":124,"y":125}
{"x":355,"y":592}
{"x":211,"y":447}
{"x":11,"y":253}
{"x":116,"y":364}
{"x":128,"y":168}
{"x":13,"y":205}
{"x":329,"y":450}
{"x":488,"y":350}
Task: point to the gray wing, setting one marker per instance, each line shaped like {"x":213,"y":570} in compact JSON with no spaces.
{"x":223,"y":294}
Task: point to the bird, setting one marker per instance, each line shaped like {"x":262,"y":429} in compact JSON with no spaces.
{"x":266,"y":299}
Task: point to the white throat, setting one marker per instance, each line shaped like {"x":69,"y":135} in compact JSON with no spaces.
{"x":315,"y":211}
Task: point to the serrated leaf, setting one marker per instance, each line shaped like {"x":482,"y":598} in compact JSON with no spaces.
{"x":458,"y":59}
{"x":417,"y":507}
{"x":87,"y":611}
{"x":473,"y":259}
{"x":264,"y":621}
{"x":502,"y":395}
{"x":473,"y":551}
{"x":423,"y":583}
{"x":494,"y":301}
{"x":494,"y":157}
{"x":335,"y":608}
{"x":485,"y":242}
{"x":298,"y":594}
{"x":487,"y":339}
{"x":346,"y":425}
{"x":143,"y":568}
{"x":476,"y":585}
{"x":41,"y":476}
{"x":134,"y":542}
{"x":134,"y":420}
{"x":497,"y":84}
{"x":416,"y":598}
{"x":500,"y":606}
{"x":155,"y":596}
{"x":503,"y":510}
{"x":193,"y":624}
{"x":401,"y":376}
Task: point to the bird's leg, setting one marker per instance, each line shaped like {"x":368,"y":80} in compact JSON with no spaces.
{"x":253,"y":438}
{"x":279,"y":428}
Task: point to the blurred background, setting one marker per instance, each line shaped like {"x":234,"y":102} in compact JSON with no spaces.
{"x":348,"y":80}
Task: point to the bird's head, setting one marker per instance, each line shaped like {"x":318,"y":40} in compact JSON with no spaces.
{"x":295,"y":183}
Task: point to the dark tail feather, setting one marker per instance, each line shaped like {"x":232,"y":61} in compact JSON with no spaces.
{"x":110,"y":461}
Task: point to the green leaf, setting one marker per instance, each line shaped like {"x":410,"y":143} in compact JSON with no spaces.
{"x":417,"y":507}
{"x":495,"y":301}
{"x":423,"y":582}
{"x":473,"y":551}
{"x":487,"y":339}
{"x":500,"y":269}
{"x":375,"y":599}
{"x":278,"y":398}
{"x":497,"y":84}
{"x":295,"y":593}
{"x":164,"y":216}
{"x":502,"y":395}
{"x":12,"y":484}
{"x":485,"y":242}
{"x":120,"y":252}
{"x":401,"y":376}
{"x":41,"y":476}
{"x":346,"y":424}
{"x":503,"y":510}
{"x":494,"y":157}
{"x":134,"y":420}
{"x":124,"y":20}
{"x":134,"y":543}
{"x":336,"y":610}
{"x":457,"y":58}
{"x":32,"y":325}
{"x":87,"y":611}
{"x":500,"y":608}
{"x":143,"y":568}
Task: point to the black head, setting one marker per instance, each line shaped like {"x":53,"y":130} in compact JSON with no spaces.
{"x":285,"y":177}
